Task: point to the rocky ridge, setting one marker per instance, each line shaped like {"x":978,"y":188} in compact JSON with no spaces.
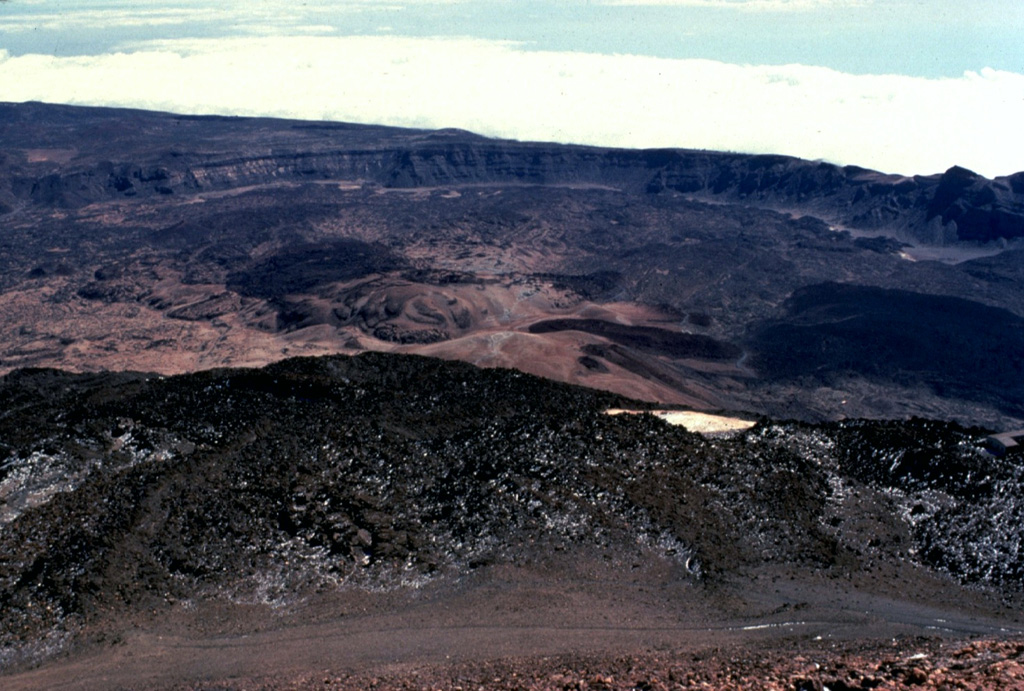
{"x":957,"y":205}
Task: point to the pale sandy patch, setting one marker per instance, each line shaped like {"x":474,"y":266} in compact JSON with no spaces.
{"x":704,"y":423}
{"x":50,"y":155}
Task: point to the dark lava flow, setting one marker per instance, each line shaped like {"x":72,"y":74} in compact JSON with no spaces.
{"x":131,"y":492}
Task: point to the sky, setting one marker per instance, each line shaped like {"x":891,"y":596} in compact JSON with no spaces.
{"x":902,"y":86}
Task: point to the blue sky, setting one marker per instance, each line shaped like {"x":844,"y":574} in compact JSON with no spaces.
{"x":907,"y":86}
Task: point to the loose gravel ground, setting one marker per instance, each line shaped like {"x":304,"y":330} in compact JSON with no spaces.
{"x":919,"y":663}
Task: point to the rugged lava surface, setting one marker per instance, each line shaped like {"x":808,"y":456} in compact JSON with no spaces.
{"x":435,"y":494}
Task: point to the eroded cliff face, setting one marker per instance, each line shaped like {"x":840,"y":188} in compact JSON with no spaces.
{"x":147,"y":154}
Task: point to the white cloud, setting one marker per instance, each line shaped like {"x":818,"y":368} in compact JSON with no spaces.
{"x":275,"y":29}
{"x":99,"y":19}
{"x":892,"y":123}
{"x":749,"y":5}
{"x":278,"y":14}
{"x":275,"y":14}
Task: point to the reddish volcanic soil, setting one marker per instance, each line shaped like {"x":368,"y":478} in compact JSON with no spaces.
{"x":902,"y":664}
{"x":209,"y":328}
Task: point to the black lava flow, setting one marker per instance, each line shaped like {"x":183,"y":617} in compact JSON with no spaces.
{"x":124,"y":491}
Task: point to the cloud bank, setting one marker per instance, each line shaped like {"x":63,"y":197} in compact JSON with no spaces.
{"x":893,"y":123}
{"x":752,"y":5}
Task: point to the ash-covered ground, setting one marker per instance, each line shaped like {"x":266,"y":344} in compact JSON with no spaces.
{"x":389,"y":509}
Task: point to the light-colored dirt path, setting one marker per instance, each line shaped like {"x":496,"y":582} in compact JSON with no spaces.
{"x":509,"y":615}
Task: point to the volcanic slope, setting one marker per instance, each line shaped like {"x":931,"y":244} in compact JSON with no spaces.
{"x":398,"y":504}
{"x":409,"y":491}
{"x":147,"y":241}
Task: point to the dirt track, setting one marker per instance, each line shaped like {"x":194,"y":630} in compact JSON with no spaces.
{"x":519,"y":628}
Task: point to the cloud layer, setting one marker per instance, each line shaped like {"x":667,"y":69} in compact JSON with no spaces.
{"x":892,"y":123}
{"x":752,"y":5}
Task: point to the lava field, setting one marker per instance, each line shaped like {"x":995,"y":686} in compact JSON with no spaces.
{"x":131,"y":492}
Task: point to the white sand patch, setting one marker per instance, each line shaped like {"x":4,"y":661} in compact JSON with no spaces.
{"x":704,"y":423}
{"x":50,"y":155}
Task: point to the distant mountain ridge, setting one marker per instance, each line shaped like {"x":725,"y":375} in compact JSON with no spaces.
{"x":938,"y":209}
{"x":146,"y":241}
